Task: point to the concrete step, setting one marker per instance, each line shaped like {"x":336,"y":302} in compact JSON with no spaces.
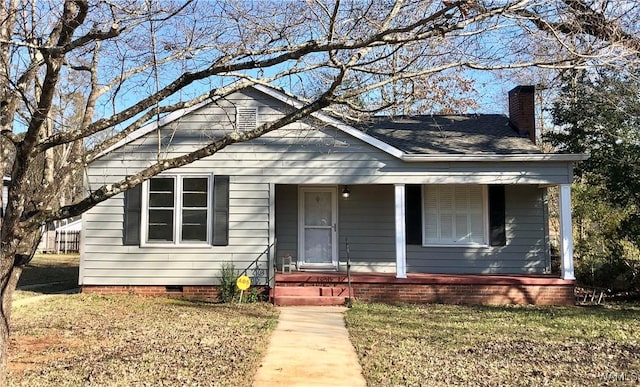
{"x":318,"y":291}
{"x":309,"y":300}
{"x":310,"y":295}
{"x":312,"y":277}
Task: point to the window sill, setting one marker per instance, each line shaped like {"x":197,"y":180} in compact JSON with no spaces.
{"x":478,"y":245}
{"x":177,"y":246}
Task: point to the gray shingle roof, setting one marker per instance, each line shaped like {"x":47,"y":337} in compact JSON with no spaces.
{"x":450,"y":134}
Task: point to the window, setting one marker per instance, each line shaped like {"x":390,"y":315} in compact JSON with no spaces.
{"x":178,"y":210}
{"x":455,"y":215}
{"x":161,"y":209}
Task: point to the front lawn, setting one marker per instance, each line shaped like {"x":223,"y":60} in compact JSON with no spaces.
{"x":436,"y":345}
{"x":80,"y":340}
{"x":48,"y":274}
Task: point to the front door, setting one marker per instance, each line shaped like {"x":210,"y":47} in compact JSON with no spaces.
{"x":317,"y":235}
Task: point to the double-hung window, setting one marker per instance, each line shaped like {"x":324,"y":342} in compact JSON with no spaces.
{"x":177,"y":210}
{"x":455,"y":215}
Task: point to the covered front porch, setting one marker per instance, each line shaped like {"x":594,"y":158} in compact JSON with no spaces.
{"x":369,"y":228}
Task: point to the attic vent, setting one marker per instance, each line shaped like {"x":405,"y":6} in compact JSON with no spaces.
{"x":246,"y":118}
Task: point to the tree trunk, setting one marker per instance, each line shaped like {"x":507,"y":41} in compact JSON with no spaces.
{"x":13,"y":261}
{"x":5,"y":318}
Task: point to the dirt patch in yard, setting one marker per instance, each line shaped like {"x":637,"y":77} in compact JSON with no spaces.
{"x":34,"y":352}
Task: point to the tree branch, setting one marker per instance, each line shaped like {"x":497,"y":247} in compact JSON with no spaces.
{"x":110,"y":190}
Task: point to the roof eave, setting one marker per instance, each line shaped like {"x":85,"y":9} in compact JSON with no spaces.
{"x":522,"y":157}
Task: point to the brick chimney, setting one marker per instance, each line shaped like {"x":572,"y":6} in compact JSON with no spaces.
{"x":522,"y":111}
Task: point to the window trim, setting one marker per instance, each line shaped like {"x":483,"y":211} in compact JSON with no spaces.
{"x":178,"y":208}
{"x":485,"y":218}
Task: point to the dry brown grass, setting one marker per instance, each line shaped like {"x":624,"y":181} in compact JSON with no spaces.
{"x":438,"y":345}
{"x":79,"y":340}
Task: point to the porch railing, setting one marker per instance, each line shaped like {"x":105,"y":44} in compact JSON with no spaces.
{"x":256,"y":272}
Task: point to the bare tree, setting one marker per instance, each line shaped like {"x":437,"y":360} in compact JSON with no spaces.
{"x":79,"y":76}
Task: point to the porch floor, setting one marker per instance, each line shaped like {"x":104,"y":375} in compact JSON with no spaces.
{"x":422,"y":278}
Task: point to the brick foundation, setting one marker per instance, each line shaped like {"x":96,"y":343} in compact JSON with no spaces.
{"x":467,"y":294}
{"x":447,"y":289}
{"x":417,"y":288}
{"x":191,"y":292}
{"x":209,"y":293}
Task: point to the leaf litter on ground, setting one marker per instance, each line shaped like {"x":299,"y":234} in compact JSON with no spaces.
{"x":429,"y":345}
{"x":80,"y":340}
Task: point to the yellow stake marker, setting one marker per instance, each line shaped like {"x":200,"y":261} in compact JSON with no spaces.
{"x":243,"y":282}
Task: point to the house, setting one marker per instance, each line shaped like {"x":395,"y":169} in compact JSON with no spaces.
{"x":423,"y":209}
{"x":62,"y":239}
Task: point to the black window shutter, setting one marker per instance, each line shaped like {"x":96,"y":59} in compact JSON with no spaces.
{"x":221,"y":211}
{"x":132,"y":210}
{"x":413,"y":214}
{"x":497,"y":234}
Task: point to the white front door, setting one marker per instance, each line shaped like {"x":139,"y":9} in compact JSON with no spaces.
{"x":317,"y":235}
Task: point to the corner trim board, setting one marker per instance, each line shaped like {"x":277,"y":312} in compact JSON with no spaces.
{"x":401,"y":243}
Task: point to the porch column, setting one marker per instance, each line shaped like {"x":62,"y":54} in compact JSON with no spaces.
{"x":401,"y":245}
{"x":566,"y":232}
{"x":272,"y":258}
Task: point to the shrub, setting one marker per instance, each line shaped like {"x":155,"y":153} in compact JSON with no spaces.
{"x":228,"y":277}
{"x":254,"y":295}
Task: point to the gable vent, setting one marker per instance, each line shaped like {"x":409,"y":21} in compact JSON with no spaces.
{"x":246,"y":118}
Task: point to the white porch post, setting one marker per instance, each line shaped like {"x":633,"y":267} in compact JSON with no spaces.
{"x":272,"y":258}
{"x":566,"y":234}
{"x":401,"y":246}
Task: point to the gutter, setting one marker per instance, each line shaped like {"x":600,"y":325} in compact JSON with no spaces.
{"x":478,"y":157}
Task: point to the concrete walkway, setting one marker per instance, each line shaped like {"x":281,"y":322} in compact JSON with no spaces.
{"x":310,"y":347}
{"x":41,"y":297}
